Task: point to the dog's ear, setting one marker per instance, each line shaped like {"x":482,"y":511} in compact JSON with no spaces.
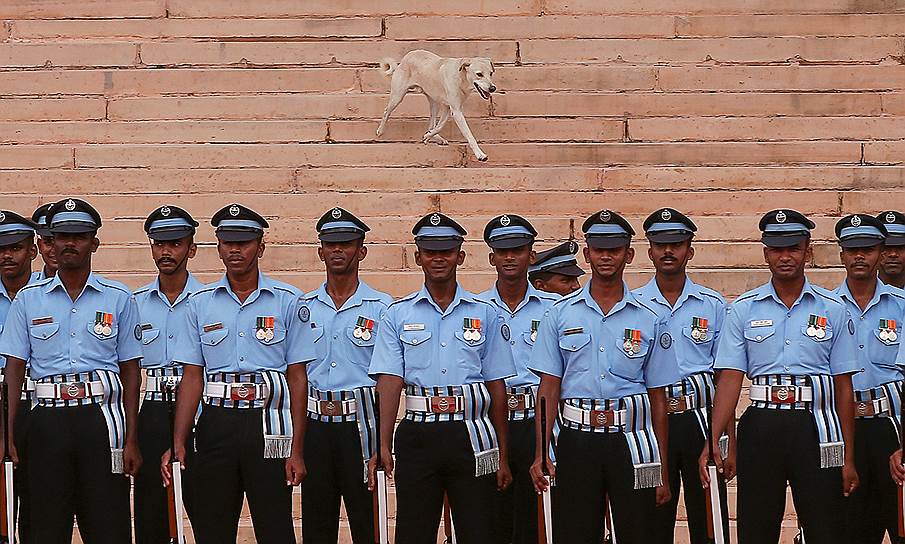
{"x":464,"y":64}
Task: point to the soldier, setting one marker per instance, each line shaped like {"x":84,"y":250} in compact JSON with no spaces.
{"x":693,"y":317}
{"x":80,"y":334}
{"x":878,"y":310}
{"x":17,"y":251}
{"x":343,"y":315}
{"x":162,"y":304}
{"x":450,"y":350}
{"x":796,"y":343}
{"x":600,"y":353}
{"x":556,"y":270}
{"x":245,"y":333}
{"x":892,"y":264}
{"x":511,"y":240}
{"x":44,"y":243}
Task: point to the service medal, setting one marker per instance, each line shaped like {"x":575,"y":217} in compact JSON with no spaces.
{"x":98,"y":329}
{"x":363,"y":328}
{"x":632,"y":341}
{"x":884,"y":335}
{"x":107,"y":330}
{"x":103,"y":323}
{"x":365,"y":335}
{"x":264,"y":328}
{"x":821,"y":334}
{"x":357,"y":332}
{"x":259,"y":334}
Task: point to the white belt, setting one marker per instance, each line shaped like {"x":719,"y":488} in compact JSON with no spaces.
{"x":876,"y":407}
{"x":28,"y":385}
{"x":236,"y":391}
{"x":781,"y":394}
{"x":593,"y":418}
{"x":68,"y":391}
{"x":435,"y":405}
{"x":159,"y":384}
{"x":332,"y":407}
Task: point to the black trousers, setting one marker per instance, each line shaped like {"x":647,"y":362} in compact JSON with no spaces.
{"x":230,"y":463}
{"x":871,"y":510}
{"x":335,"y":466}
{"x":69,"y":475}
{"x":685,"y":444}
{"x":590,"y":467}
{"x":518,"y":503}
{"x":152,"y":525}
{"x":776,"y":447}
{"x":433,"y":458}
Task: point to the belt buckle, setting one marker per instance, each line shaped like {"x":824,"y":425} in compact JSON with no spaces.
{"x":169,"y":382}
{"x":861,"y":409}
{"x":73,"y":391}
{"x":329,"y":408}
{"x":602,"y":418}
{"x":675,"y":404}
{"x":242,"y":391}
{"x":515,"y":402}
{"x":443,"y":405}
{"x":783,"y":394}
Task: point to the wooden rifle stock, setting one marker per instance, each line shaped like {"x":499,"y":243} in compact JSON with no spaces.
{"x":900,"y":496}
{"x":714,"y":508}
{"x":8,"y":528}
{"x":544,"y":503}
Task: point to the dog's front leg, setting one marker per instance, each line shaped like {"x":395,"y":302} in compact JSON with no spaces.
{"x":459,"y":118}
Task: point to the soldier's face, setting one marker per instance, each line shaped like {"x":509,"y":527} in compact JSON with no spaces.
{"x":15,"y":259}
{"x":45,"y":247}
{"x":342,"y":257}
{"x":670,"y":258}
{"x":171,"y":256}
{"x":893,"y":261}
{"x":861,"y":262}
{"x":512,"y":263}
{"x":559,"y":284}
{"x":74,"y":249}
{"x":439,"y":265}
{"x":788,"y":262}
{"x":608,"y":263}
{"x":240,"y":257}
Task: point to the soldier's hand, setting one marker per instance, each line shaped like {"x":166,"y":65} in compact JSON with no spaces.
{"x":537,"y":474}
{"x":14,"y":455}
{"x":850,"y":479}
{"x":295,"y":470}
{"x":896,"y":470}
{"x":165,"y":461}
{"x":131,"y":459}
{"x":664,"y":494}
{"x":729,"y":463}
{"x":503,"y":476}
{"x":389,"y":464}
{"x":703,"y":461}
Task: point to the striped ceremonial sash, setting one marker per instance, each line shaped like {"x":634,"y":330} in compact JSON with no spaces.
{"x":891,"y":391}
{"x":162,"y":372}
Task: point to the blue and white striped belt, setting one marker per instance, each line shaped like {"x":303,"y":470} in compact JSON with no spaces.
{"x":332,"y":407}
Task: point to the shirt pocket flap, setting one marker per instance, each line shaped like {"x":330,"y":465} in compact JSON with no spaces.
{"x":279,"y":334}
{"x":877,"y":333}
{"x":461,"y":336}
{"x":828,"y":334}
{"x":213,"y":338}
{"x":415,"y":338}
{"x":708,"y":337}
{"x":114,"y":330}
{"x":639,"y":350}
{"x":526,"y":336}
{"x":43,"y":332}
{"x":759,"y":334}
{"x":149,"y":335}
{"x":361,"y":342}
{"x":574,"y":342}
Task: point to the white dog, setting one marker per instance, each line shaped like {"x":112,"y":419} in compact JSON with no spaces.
{"x":446,"y":83}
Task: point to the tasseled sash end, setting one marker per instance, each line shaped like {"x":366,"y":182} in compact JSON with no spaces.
{"x":116,"y":460}
{"x":277,"y":447}
{"x":832,"y":454}
{"x":648,"y":475}
{"x":487,"y":462}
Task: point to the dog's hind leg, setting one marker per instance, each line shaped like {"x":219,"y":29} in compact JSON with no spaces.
{"x":459,"y":118}
{"x":396,"y":95}
{"x":433,"y":120}
{"x":432,"y":135}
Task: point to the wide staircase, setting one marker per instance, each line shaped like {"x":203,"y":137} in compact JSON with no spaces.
{"x":723,"y":110}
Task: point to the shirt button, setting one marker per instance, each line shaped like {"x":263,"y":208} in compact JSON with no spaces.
{"x":72,"y":334}
{"x":333,"y":364}
{"x":861,"y":346}
{"x":241,"y":334}
{"x":335,"y":337}
{"x":170,"y":337}
{"x":241,"y":358}
{"x":758,"y":338}
{"x":74,"y":310}
{"x":862,"y":318}
{"x":788,"y":342}
{"x":170,"y":310}
{"x":602,"y":376}
{"x":601,"y":349}
{"x":442,"y":344}
{"x":442,"y":371}
{"x":512,"y":342}
{"x":787,"y":368}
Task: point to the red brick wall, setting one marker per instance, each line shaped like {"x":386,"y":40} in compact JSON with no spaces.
{"x":721,"y":109}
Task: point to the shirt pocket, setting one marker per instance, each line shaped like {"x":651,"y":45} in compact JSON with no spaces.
{"x":45,"y":342}
{"x":279,"y":334}
{"x":815,"y":349}
{"x":99,"y":345}
{"x":320,"y":345}
{"x":416,"y":349}
{"x":526,"y":336}
{"x":360,"y":350}
{"x":761,"y":349}
{"x":577,"y":356}
{"x":883,"y":353}
{"x":698,"y":348}
{"x":630,"y":366}
{"x":212,"y":346}
{"x":470,"y":351}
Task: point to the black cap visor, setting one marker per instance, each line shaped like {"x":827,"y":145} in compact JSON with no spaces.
{"x":895,"y":240}
{"x":571,"y":270}
{"x":783,"y":240}
{"x":608,"y":242}
{"x":670,"y":236}
{"x":11,"y":238}
{"x":72,"y":227}
{"x":168,"y":235}
{"x":340,"y":235}
{"x":438,"y":244}
{"x":238,"y":235}
{"x":509,"y":242}
{"x":860,"y":241}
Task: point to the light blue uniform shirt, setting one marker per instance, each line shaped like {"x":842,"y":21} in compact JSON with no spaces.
{"x":338,"y":360}
{"x":427,"y":347}
{"x":221,"y":331}
{"x":762,"y":336}
{"x":690,"y":355}
{"x":580,"y":344}
{"x":56,"y":335}
{"x":531,"y":308}
{"x":876,"y":357}
{"x":161,"y":322}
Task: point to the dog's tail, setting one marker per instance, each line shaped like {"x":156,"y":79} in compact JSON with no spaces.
{"x":388,"y":66}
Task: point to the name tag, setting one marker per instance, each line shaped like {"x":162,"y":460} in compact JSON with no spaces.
{"x":146,"y":326}
{"x":413,"y":327}
{"x":762,"y":323}
{"x":42,"y":320}
{"x":575,"y":330}
{"x":213,"y":327}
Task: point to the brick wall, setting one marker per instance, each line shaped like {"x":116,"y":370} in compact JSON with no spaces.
{"x":721,"y":109}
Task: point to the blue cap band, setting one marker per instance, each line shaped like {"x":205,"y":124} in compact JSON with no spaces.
{"x":895,"y":228}
{"x":508,"y":231}
{"x":864,"y":231}
{"x":240,"y":223}
{"x":437,"y":232}
{"x":660,"y":227}
{"x":15,"y":227}
{"x":562,"y":259}
{"x":42,"y":220}
{"x":170,"y":224}
{"x":610,"y":229}
{"x":340,"y":225}
{"x":73,"y":217}
{"x":785,"y":228}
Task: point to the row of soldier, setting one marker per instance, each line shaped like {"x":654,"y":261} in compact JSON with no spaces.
{"x":278,"y":388}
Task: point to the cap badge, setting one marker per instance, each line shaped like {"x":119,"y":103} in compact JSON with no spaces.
{"x":890,"y":217}
{"x":780,"y":216}
{"x":435,"y":220}
{"x":573,"y":247}
{"x":165,"y":211}
{"x":2,"y":217}
{"x":605,"y":216}
{"x":504,"y":220}
{"x":234,"y":210}
{"x":856,"y":221}
{"x":70,"y":204}
{"x":666,"y":215}
{"x":336,"y":213}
